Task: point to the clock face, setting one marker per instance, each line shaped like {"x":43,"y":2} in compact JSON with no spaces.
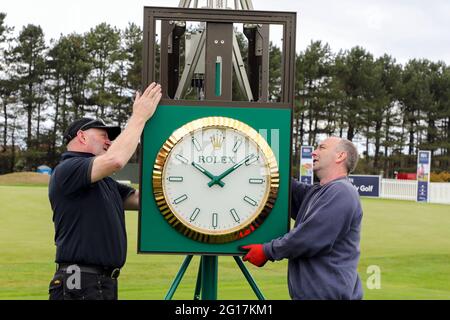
{"x":218,"y":180}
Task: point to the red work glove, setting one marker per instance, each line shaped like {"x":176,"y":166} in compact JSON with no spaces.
{"x":255,"y":254}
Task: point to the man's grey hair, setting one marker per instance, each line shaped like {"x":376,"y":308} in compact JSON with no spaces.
{"x":352,"y":153}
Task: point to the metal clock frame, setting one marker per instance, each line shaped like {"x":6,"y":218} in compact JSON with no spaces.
{"x":207,"y":275}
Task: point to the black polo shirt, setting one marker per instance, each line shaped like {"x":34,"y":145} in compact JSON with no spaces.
{"x":89,"y":217}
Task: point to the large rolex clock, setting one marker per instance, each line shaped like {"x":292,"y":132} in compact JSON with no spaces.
{"x":215,"y":179}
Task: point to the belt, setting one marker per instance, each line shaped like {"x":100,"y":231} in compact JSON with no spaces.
{"x":113,"y":273}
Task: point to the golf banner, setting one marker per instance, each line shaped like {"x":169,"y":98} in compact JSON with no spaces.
{"x":306,"y":164}
{"x":423,"y":175}
{"x":367,"y":185}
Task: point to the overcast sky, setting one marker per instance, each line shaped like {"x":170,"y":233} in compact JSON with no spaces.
{"x":405,"y":29}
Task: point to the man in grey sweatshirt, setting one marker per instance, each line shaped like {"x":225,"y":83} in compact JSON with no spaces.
{"x":323,"y":246}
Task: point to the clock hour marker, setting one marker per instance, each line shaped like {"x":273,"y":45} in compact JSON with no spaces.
{"x":250,"y":201}
{"x":175,"y":179}
{"x":194,"y":214}
{"x":237,"y":145}
{"x":251,"y":160}
{"x":181,"y":158}
{"x":180,"y":199}
{"x":196,"y":144}
{"x":214,"y":220}
{"x":256,"y":181}
{"x":235,"y":215}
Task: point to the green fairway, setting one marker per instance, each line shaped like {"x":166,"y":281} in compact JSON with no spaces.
{"x":408,"y":241}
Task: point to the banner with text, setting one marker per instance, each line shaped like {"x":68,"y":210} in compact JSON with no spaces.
{"x":368,"y":186}
{"x":423,"y":175}
{"x":306,"y":164}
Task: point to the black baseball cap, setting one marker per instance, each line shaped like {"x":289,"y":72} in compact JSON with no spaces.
{"x":88,"y":123}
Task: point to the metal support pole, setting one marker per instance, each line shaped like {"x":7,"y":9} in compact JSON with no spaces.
{"x":198,"y":285}
{"x":191,"y":63}
{"x":249,"y":278}
{"x":246,"y":5}
{"x":239,"y":69}
{"x":178,"y":278}
{"x":184,"y":3}
{"x":209,"y":277}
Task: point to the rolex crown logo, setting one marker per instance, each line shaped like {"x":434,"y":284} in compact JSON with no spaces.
{"x":217,"y":140}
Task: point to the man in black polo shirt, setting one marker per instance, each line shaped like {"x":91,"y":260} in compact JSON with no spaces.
{"x":88,"y":206}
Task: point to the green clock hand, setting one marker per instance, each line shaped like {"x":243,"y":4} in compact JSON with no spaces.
{"x":207,"y":173}
{"x":217,"y":179}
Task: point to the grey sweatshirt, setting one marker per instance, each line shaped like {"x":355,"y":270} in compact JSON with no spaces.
{"x":323,"y":246}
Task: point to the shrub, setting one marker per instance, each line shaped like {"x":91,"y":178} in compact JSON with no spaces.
{"x":443,"y":176}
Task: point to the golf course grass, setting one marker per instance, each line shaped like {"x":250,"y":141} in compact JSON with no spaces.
{"x":409,"y":242}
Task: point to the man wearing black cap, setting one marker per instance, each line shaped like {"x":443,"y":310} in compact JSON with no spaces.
{"x":88,"y":206}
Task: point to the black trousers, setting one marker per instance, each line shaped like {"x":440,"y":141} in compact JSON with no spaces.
{"x":82,"y":286}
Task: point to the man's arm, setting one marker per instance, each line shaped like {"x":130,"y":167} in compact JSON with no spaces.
{"x":327,"y":218}
{"x":125,"y":144}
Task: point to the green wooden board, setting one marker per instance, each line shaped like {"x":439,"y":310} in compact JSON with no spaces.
{"x":155,"y":234}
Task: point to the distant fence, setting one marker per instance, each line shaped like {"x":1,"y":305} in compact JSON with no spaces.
{"x":440,"y":192}
{"x":398,"y":189}
{"x":407,"y":190}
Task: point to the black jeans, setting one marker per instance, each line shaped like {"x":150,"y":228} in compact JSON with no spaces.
{"x":88,"y":286}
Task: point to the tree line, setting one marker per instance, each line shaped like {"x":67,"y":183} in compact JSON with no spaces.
{"x":388,"y":109}
{"x":392,"y":110}
{"x":43,"y":88}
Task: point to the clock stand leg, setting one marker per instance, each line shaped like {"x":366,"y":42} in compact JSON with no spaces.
{"x":209,"y":265}
{"x":207,"y":278}
{"x":198,"y":285}
{"x":178,"y":278}
{"x":249,"y":278}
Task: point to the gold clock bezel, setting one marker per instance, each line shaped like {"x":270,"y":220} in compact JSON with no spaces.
{"x":222,"y":236}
